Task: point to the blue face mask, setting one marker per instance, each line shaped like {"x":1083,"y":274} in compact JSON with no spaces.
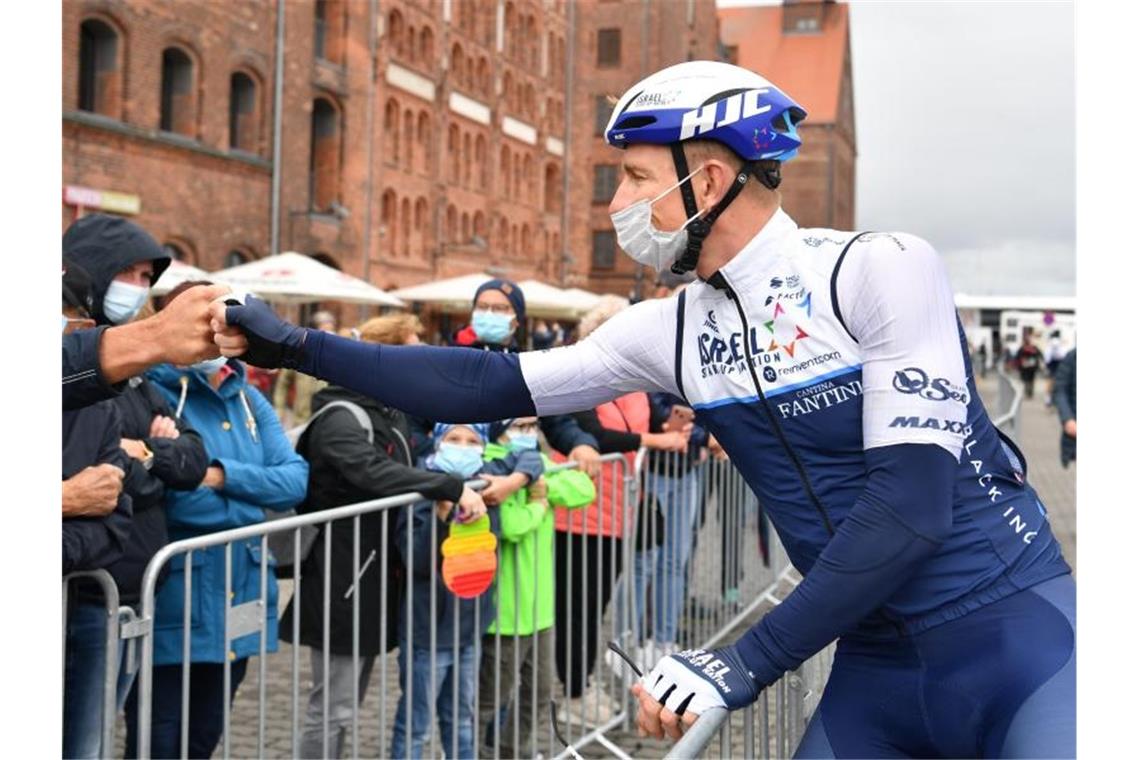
{"x":491,"y":327}
{"x":523,"y":441}
{"x":209,"y":366}
{"x":123,"y":301}
{"x":463,"y":461}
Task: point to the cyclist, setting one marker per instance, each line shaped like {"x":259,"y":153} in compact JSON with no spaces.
{"x":832,"y":369}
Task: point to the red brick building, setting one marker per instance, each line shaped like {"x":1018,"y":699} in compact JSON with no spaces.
{"x":804,"y":47}
{"x":619,"y":42}
{"x":418,"y":138}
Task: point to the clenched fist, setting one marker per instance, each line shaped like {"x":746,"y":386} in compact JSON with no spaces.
{"x":93,"y":491}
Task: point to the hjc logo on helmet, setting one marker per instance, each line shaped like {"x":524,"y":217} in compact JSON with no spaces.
{"x":742,"y":105}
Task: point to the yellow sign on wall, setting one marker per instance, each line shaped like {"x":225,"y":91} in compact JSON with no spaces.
{"x":104,"y":200}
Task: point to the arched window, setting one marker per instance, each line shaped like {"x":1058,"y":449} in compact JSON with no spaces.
{"x":99,"y":78}
{"x":479,"y":225}
{"x":392,"y":130}
{"x":467,"y":159}
{"x":481,"y":162}
{"x":516,"y":177}
{"x":427,"y":46}
{"x":245,"y":116}
{"x":514,"y":240}
{"x":483,"y":77}
{"x":179,"y":102}
{"x":456,"y":65}
{"x":452,"y":224}
{"x":324,"y":156}
{"x":176,"y":252}
{"x":423,"y":141}
{"x":465,"y":227}
{"x":532,"y":43}
{"x":409,"y":137}
{"x":411,"y":44}
{"x":328,"y":30}
{"x":453,"y":157}
{"x":505,"y":171}
{"x":396,"y":32}
{"x":528,"y":102}
{"x":524,"y":241}
{"x":509,"y":91}
{"x":405,"y":227}
{"x":235,"y":258}
{"x":509,"y":30}
{"x":388,"y":220}
{"x":421,"y":225}
{"x":552,"y":187}
{"x":528,"y":179}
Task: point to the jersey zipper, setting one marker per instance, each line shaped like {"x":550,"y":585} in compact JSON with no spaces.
{"x":720,"y":282}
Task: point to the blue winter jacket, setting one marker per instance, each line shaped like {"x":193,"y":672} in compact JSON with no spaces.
{"x":261,"y":472}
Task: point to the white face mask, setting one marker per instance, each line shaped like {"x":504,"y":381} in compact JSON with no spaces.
{"x":123,"y":301}
{"x":643,"y":242}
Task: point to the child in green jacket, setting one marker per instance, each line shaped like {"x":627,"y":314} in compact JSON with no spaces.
{"x":518,"y":648}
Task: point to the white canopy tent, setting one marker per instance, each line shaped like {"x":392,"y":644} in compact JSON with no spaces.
{"x":176,"y":274}
{"x":456,"y":294}
{"x":293,"y":278}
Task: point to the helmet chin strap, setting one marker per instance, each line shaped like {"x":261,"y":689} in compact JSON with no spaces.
{"x":700,"y":227}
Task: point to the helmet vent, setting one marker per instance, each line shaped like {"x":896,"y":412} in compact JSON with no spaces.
{"x":633,"y":122}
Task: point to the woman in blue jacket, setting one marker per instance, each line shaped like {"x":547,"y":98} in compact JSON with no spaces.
{"x":252,"y":468}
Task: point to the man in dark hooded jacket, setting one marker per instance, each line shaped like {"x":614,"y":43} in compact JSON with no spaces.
{"x":121,"y":261}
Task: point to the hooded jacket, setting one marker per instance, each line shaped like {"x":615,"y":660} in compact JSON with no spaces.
{"x":104,"y":245}
{"x":344,"y":468}
{"x":242,"y":436}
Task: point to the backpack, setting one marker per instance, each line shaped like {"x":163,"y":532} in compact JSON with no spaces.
{"x":281,"y":543}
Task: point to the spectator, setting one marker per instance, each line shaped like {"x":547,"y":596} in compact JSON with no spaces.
{"x":293,"y":392}
{"x":97,"y":361}
{"x":252,"y":468}
{"x":161,"y":452}
{"x":1028,"y":361}
{"x":524,"y":598}
{"x":96,"y":525}
{"x":1065,"y":399}
{"x":1054,"y":353}
{"x":458,"y":452}
{"x":348,"y":464}
{"x":594,"y":535}
{"x":499,"y":309}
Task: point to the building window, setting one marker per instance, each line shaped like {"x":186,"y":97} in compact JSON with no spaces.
{"x":234,"y":259}
{"x":605,"y":244}
{"x":175,"y":252}
{"x":553,"y":188}
{"x":609,"y":48}
{"x":324,"y":156}
{"x":602,"y":110}
{"x":243,"y":112}
{"x":98,"y":68}
{"x":328,"y":30}
{"x":178,"y":101}
{"x":320,"y":28}
{"x":605,"y":182}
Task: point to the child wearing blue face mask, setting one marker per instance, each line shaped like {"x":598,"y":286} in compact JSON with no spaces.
{"x":431,"y":633}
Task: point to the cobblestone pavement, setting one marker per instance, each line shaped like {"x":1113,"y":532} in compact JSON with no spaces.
{"x":1039,"y":438}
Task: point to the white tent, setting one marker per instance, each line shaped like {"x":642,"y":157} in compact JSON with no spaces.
{"x":457,"y":294}
{"x":176,"y":274}
{"x":294,"y":278}
{"x":584,"y":299}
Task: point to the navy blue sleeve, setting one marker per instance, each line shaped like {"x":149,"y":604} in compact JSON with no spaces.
{"x":564,"y":433}
{"x":83,"y":381}
{"x":442,"y":384}
{"x":901,"y":518}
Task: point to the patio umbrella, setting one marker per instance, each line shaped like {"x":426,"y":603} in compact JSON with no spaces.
{"x":294,"y":278}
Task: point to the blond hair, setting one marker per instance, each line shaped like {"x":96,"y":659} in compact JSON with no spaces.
{"x":607,"y":306}
{"x":393,"y":329}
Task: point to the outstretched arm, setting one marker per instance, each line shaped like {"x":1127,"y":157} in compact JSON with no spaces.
{"x":455,"y":384}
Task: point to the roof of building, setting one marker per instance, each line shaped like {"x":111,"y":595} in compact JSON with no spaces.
{"x":808,"y":67}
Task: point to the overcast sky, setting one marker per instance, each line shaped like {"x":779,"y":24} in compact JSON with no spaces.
{"x":965,"y":133}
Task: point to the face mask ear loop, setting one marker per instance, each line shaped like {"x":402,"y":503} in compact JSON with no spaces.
{"x":700,"y":228}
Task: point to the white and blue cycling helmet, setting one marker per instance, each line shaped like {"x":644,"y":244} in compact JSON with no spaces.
{"x":708,"y":100}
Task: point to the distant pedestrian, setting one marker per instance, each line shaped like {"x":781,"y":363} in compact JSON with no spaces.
{"x":1028,"y":361}
{"x":1065,"y":400}
{"x":1054,"y":353}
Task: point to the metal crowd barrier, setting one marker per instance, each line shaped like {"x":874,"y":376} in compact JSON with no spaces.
{"x":685,"y":571}
{"x":111,"y":647}
{"x":1009,"y":401}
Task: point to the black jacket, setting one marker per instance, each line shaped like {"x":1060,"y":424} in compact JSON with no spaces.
{"x":83,"y":381}
{"x":179,"y":463}
{"x":91,"y":436}
{"x":1065,"y":400}
{"x":345,"y":469}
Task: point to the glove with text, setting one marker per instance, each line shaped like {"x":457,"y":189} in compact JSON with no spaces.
{"x":697,"y":679}
{"x":273,"y":342}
